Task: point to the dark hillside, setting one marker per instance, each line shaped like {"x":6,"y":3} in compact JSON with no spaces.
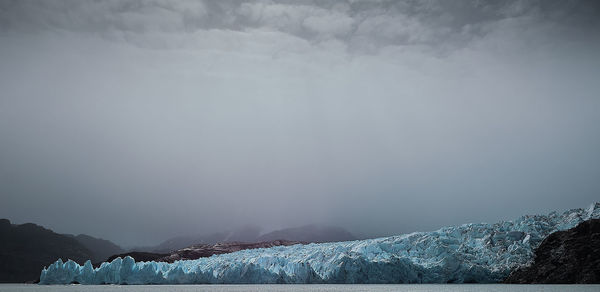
{"x":25,"y":249}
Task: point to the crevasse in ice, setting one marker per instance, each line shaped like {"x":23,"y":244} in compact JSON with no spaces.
{"x":479,"y":253}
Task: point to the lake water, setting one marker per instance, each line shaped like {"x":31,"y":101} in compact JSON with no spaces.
{"x":224,"y":288}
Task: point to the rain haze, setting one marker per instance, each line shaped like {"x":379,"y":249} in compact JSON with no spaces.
{"x":136,"y":121}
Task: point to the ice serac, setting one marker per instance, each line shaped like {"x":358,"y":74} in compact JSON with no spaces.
{"x":479,"y":253}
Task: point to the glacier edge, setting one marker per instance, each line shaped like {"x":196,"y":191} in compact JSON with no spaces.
{"x":475,"y":252}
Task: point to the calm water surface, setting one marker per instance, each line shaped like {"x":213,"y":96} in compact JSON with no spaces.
{"x":218,"y":288}
{"x":185,"y":288}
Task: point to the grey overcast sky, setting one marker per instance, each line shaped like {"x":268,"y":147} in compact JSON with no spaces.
{"x":136,"y":121}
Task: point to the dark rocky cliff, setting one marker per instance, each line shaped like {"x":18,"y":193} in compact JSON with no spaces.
{"x":565,"y":257}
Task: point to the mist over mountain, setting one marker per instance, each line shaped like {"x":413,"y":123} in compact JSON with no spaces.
{"x":244,"y":234}
{"x":309,"y":233}
{"x":252,"y":234}
{"x":220,"y":131}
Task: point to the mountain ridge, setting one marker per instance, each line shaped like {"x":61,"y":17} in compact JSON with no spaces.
{"x":101,"y":248}
{"x":26,"y":248}
{"x":251,"y":234}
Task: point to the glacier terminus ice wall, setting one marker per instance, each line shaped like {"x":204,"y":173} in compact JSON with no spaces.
{"x":481,"y":253}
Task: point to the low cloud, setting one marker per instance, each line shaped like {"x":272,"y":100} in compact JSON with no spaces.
{"x":139,"y":120}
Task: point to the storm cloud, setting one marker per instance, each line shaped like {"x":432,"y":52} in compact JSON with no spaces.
{"x":140,"y":120}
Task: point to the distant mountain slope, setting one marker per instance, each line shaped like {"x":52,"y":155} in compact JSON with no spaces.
{"x":309,"y":233}
{"x":244,"y":234}
{"x":180,"y":242}
{"x":251,"y":234}
{"x":27,"y":248}
{"x":100,"y":248}
{"x":565,"y":257}
{"x":198,"y":251}
{"x":207,"y":250}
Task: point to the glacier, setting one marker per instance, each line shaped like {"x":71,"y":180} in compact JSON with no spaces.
{"x":469,"y":253}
